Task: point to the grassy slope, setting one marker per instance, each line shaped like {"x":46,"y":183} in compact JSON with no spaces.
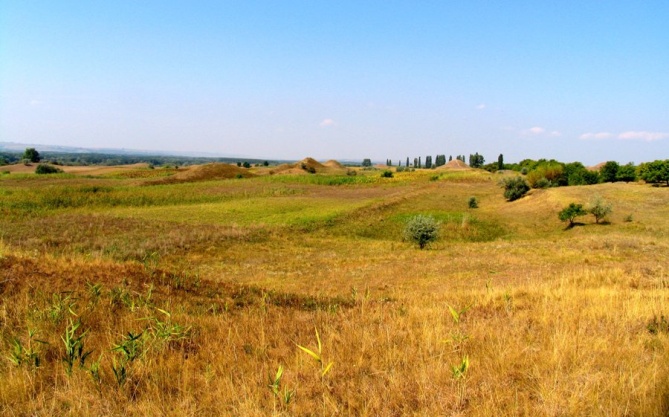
{"x":557,"y":321}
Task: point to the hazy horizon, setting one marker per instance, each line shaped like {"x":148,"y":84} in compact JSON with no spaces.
{"x":575,"y":81}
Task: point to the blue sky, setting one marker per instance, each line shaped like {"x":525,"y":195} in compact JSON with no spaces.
{"x":571,"y":80}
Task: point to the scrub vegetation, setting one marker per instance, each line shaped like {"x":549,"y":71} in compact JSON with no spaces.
{"x":297,"y":294}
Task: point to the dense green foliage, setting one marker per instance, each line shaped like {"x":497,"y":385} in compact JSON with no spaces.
{"x":47,"y":169}
{"x":31,"y":155}
{"x":476,"y":160}
{"x":609,"y":172}
{"x":655,"y":172}
{"x":422,"y":230}
{"x":515,"y":188}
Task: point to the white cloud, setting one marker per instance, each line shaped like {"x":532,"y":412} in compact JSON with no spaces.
{"x":598,"y":135}
{"x":327,"y":123}
{"x":555,"y":134}
{"x":534,"y":131}
{"x":481,"y":106}
{"x":643,"y":135}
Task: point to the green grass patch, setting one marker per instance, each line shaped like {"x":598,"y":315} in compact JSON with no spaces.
{"x":301,"y":212}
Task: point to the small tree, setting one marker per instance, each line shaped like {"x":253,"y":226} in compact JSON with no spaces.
{"x":473,"y":203}
{"x":515,"y":188}
{"x":599,"y":208}
{"x":571,"y":212}
{"x":387,"y":174}
{"x":366,"y":162}
{"x":422,"y":230}
{"x":500,"y":162}
{"x":31,"y":155}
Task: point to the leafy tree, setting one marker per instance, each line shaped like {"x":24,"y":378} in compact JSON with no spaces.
{"x":387,"y":174}
{"x":500,"y":162}
{"x":577,"y":174}
{"x":450,"y":158}
{"x":428,"y":162}
{"x":599,"y":208}
{"x":476,"y":160}
{"x":655,"y":172}
{"x":265,"y":163}
{"x":366,"y":162}
{"x":571,"y":212}
{"x":407,"y":165}
{"x":626,"y":173}
{"x":246,"y":164}
{"x":609,"y":171}
{"x":422,"y":230}
{"x":473,"y":203}
{"x":515,"y":188}
{"x":552,"y":171}
{"x":31,"y":155}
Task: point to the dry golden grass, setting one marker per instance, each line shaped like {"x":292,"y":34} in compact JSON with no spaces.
{"x":553,"y":322}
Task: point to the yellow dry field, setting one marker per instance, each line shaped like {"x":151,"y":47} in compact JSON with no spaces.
{"x":297,"y":295}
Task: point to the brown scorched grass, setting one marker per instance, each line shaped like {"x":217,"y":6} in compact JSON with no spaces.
{"x":553,"y":322}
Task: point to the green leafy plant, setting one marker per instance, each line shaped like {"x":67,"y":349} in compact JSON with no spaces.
{"x":457,"y":314}
{"x":74,"y":346}
{"x":28,"y":354}
{"x":422,"y":230}
{"x":460,"y":371}
{"x":131,"y":346}
{"x":275,"y":386}
{"x":318,"y":355}
{"x":387,"y":174}
{"x":473,"y":203}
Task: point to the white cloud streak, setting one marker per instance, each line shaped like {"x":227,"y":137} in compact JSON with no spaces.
{"x":629,"y":135}
{"x":327,"y":123}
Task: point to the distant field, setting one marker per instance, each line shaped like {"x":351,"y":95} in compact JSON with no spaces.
{"x":190,"y":295}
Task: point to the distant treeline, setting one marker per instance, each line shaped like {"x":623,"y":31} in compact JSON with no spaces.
{"x":63,"y":158}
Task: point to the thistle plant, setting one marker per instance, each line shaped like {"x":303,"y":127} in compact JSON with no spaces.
{"x":318,"y":355}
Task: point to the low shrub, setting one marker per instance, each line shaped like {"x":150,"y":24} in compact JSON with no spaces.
{"x":47,"y":169}
{"x":515,"y":188}
{"x":422,"y":230}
